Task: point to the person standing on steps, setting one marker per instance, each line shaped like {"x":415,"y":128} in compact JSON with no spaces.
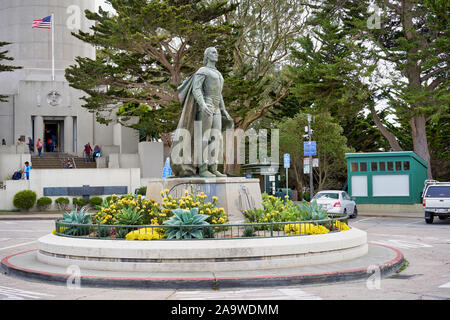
{"x":39,"y":147}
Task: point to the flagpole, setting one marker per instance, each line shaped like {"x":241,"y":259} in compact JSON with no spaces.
{"x":53,"y":47}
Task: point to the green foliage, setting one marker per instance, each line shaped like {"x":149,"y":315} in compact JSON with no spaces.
{"x":44,"y":202}
{"x":95,"y":201}
{"x":80,"y":220}
{"x":129,"y":216}
{"x":331,"y":149}
{"x":284,"y":210}
{"x":249,"y":232}
{"x":3,"y":67}
{"x":142,"y":191}
{"x":79,"y":202}
{"x":186,"y":224}
{"x":25,"y":199}
{"x":62,"y":203}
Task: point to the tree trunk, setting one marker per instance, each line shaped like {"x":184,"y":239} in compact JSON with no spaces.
{"x":390,"y":137}
{"x":420,"y":143}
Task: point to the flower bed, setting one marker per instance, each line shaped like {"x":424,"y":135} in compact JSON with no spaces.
{"x":191,"y":217}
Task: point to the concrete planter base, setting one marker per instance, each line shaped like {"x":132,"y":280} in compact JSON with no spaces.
{"x":204,"y":255}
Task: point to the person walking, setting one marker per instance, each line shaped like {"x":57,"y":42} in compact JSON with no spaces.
{"x":3,"y":142}
{"x":39,"y":147}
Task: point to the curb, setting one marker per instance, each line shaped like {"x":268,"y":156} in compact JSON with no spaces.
{"x":211,"y":282}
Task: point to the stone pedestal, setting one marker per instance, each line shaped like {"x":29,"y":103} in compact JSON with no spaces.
{"x":235,"y":194}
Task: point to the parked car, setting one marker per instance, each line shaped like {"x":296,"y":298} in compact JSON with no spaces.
{"x":436,"y":200}
{"x":336,"y":201}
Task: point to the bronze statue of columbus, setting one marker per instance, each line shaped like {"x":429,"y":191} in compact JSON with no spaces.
{"x":197,"y":142}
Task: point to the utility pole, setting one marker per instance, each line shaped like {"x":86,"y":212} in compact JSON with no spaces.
{"x":311,"y":184}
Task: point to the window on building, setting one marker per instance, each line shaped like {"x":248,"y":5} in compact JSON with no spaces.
{"x":374,"y":166}
{"x":363,"y":166}
{"x":382,"y":166}
{"x":406,"y":165}
{"x":398,"y":166}
{"x":354,"y":167}
{"x":390,"y":166}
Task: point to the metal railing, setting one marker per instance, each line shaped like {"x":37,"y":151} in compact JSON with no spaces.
{"x":211,"y":231}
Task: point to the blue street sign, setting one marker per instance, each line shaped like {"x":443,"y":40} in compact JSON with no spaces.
{"x":287,"y":160}
{"x":309,"y":148}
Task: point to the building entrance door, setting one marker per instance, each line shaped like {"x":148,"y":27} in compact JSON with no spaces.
{"x":53,"y":136}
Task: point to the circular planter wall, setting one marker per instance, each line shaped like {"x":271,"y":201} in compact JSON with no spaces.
{"x":205,"y":255}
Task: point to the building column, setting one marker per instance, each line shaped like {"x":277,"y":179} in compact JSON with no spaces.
{"x":68,"y":135}
{"x":38,"y":131}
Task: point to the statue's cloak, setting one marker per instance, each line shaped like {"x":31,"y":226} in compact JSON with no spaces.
{"x":186,"y":122}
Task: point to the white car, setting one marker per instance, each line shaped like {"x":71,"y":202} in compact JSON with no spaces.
{"x":336,"y":201}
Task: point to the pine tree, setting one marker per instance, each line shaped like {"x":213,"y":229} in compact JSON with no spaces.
{"x":412,"y":37}
{"x":5,"y":68}
{"x":144,"y":51}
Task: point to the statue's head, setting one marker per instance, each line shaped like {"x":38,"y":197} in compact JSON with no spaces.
{"x":210,"y":54}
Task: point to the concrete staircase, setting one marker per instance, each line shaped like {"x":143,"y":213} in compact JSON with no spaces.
{"x":57,"y":160}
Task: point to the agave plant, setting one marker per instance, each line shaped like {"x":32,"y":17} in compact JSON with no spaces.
{"x":78,"y":220}
{"x":128,"y":217}
{"x":186,"y":224}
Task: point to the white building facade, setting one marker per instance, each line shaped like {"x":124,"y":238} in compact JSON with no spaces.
{"x":38,"y":106}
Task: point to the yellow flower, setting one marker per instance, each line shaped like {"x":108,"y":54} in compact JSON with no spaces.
{"x":165,"y":199}
{"x":215,"y":198}
{"x":166,"y":191}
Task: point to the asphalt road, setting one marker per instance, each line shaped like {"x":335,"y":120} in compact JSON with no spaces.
{"x":425,"y":247}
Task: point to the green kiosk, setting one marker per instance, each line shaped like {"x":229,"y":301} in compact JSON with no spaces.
{"x":386,"y":177}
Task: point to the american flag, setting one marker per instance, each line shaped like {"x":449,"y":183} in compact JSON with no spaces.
{"x":44,"y":23}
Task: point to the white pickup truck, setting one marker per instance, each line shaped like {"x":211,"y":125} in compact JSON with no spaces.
{"x":436,"y":200}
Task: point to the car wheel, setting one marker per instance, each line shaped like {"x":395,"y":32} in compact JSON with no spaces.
{"x":355,"y":212}
{"x":429,"y":217}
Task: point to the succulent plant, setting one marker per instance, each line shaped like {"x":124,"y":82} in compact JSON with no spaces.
{"x":78,"y":219}
{"x":186,"y":224}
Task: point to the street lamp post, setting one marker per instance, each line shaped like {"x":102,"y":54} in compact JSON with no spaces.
{"x":311,"y":185}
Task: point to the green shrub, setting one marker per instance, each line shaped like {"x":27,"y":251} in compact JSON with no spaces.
{"x":249,"y":232}
{"x":95,"y":201}
{"x":142,"y":191}
{"x":62,"y":203}
{"x":44,"y":203}
{"x":79,"y":202}
{"x":24,"y":200}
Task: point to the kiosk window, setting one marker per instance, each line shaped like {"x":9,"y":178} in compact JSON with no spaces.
{"x":390,"y":166}
{"x":382,"y":166}
{"x":354,"y":167}
{"x":374,"y":166}
{"x":406,"y":165}
{"x":398,"y":166}
{"x":363,"y":166}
